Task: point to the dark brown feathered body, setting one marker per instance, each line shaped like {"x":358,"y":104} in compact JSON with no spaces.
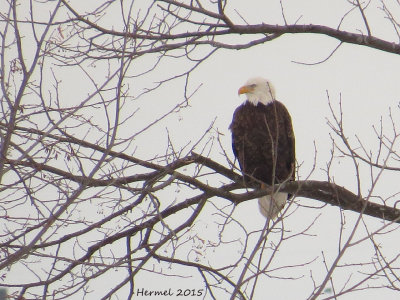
{"x":263,"y":142}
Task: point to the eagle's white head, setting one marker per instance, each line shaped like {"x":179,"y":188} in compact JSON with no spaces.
{"x":258,"y":90}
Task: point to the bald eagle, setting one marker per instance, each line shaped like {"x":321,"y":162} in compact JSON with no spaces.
{"x":263,"y":142}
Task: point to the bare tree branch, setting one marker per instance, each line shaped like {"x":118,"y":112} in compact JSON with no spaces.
{"x":88,"y":195}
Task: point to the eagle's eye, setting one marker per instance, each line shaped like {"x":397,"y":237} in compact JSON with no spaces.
{"x":253,"y":85}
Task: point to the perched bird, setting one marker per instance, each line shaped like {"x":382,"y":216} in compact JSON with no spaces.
{"x":263,"y":142}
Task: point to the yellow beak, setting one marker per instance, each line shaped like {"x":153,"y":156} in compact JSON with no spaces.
{"x":244,"y":89}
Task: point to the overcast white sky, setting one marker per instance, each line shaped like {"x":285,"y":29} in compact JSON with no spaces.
{"x":366,"y":80}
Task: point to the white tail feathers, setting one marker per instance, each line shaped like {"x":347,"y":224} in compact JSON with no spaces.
{"x":271,"y":206}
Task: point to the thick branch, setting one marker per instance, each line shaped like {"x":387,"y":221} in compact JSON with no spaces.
{"x":343,"y":36}
{"x":222,"y":27}
{"x":318,"y":190}
{"x":339,"y":196}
